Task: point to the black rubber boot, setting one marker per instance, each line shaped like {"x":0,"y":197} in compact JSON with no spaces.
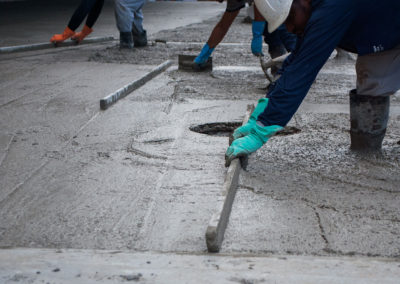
{"x":125,"y":40}
{"x":368,"y":116}
{"x":139,"y":39}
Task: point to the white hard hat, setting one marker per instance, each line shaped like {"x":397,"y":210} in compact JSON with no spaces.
{"x":274,"y":12}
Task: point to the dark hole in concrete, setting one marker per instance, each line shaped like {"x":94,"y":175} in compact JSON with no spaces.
{"x":225,"y":129}
{"x":289,"y":130}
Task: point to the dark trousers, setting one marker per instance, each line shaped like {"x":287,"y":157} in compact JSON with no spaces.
{"x":279,"y":41}
{"x":89,"y":8}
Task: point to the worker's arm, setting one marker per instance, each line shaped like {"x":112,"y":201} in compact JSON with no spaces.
{"x":257,"y":29}
{"x":324,"y":31}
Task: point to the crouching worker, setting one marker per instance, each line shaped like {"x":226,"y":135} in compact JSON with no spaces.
{"x":365,"y":27}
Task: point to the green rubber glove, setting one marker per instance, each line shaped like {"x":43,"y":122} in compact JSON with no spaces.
{"x":246,"y":145}
{"x":245,"y":129}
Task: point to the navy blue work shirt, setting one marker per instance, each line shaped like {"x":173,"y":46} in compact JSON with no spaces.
{"x":359,"y":26}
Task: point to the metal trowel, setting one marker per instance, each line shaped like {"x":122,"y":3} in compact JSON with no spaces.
{"x":185,"y":62}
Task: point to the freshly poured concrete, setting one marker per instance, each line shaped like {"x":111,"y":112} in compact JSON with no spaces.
{"x":134,"y":177}
{"x":86,"y":266}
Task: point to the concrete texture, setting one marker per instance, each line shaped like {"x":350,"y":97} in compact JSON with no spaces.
{"x":86,"y":266}
{"x":137,"y":178}
{"x":220,"y":218}
{"x":107,"y":101}
{"x":47,"y":45}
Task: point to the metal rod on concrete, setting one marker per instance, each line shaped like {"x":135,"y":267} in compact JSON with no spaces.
{"x":219,"y":220}
{"x":46,"y":45}
{"x":124,"y":91}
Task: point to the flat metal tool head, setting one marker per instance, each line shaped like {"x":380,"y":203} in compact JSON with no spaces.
{"x":186,"y":63}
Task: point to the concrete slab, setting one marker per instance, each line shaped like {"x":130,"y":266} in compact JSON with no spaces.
{"x":317,"y":197}
{"x":86,"y":266}
{"x":44,"y":115}
{"x":136,"y":177}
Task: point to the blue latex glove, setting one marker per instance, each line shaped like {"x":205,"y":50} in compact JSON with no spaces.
{"x":256,"y":43}
{"x":204,"y":54}
{"x":250,"y":143}
{"x":245,"y":129}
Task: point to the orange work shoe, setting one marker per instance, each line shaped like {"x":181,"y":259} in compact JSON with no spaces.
{"x":67,"y":33}
{"x":82,"y":34}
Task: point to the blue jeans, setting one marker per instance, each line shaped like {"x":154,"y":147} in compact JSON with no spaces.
{"x":128,"y":13}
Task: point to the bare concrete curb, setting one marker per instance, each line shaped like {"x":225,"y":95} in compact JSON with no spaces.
{"x":124,"y":91}
{"x":27,"y":265}
{"x":217,"y":225}
{"x":47,"y":45}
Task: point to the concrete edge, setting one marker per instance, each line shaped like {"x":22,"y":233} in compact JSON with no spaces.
{"x":47,"y":45}
{"x":200,"y":44}
{"x":219,"y":220}
{"x":127,"y":89}
{"x":29,"y":265}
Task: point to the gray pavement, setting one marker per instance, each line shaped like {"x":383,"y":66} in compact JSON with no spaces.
{"x":86,"y":266}
{"x":136,"y":179}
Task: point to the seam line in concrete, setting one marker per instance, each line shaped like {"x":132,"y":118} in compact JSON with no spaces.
{"x":164,"y":170}
{"x":127,"y":89}
{"x":47,"y":45}
{"x":219,"y":220}
{"x":6,"y":150}
{"x":234,"y":44}
{"x":47,"y":160}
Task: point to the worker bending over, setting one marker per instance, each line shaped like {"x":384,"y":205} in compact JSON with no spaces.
{"x":369,"y":28}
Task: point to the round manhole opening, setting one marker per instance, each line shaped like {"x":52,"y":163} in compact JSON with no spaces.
{"x":225,"y":129}
{"x":288,"y":130}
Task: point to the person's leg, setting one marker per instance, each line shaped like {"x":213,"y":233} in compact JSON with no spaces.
{"x":280,"y":41}
{"x":275,"y":45}
{"x":377,"y":78}
{"x":91,"y":19}
{"x":76,"y":19}
{"x":124,"y":19}
{"x":138,"y":16}
{"x":288,"y":39}
{"x":94,"y":13}
{"x":80,"y":13}
{"x":123,"y":15}
{"x":138,"y":32}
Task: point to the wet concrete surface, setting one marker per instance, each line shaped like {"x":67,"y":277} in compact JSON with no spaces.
{"x":87,"y":266}
{"x":135,"y":177}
